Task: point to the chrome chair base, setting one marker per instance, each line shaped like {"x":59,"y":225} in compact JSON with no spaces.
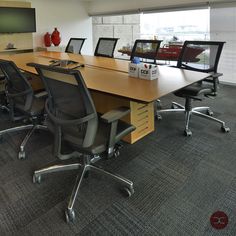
{"x":176,"y":107}
{"x":85,"y":168}
{"x":4,"y":108}
{"x":31,"y":127}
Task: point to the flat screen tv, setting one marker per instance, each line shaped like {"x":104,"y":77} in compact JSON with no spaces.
{"x":17,"y":20}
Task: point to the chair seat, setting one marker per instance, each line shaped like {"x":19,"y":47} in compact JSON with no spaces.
{"x":194,"y":90}
{"x":101,"y":139}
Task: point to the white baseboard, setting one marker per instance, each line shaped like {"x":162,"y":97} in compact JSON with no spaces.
{"x":228,"y":83}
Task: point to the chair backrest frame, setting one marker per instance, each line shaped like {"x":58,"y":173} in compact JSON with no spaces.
{"x":108,"y":54}
{"x":182,"y":61}
{"x":68,"y":47}
{"x":84,"y":107}
{"x":152,"y":55}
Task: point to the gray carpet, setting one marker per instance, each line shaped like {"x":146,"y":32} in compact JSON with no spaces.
{"x":179,"y":182}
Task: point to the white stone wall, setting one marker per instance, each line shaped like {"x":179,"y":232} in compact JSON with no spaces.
{"x":124,"y":27}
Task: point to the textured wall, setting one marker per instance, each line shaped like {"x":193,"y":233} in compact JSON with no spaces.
{"x":125,"y":27}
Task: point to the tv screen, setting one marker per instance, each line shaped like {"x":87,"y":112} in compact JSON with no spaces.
{"x":17,"y":20}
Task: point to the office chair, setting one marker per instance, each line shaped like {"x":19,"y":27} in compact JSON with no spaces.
{"x":146,"y":48}
{"x":72,"y":118}
{"x":202,"y":56}
{"x":75,"y":45}
{"x":105,"y":47}
{"x":22,"y":103}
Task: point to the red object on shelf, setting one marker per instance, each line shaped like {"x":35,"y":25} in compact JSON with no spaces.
{"x":171,"y":53}
{"x":47,"y":40}
{"x":166,"y":53}
{"x":55,"y":37}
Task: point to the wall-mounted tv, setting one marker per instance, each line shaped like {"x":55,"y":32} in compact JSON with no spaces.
{"x":17,"y":20}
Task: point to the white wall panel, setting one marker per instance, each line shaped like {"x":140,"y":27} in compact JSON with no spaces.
{"x":223,"y":28}
{"x":223,"y":19}
{"x":70,"y":18}
{"x":101,"y":31}
{"x":131,"y":19}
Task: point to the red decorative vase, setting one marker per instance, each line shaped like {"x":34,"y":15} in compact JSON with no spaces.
{"x":47,"y":40}
{"x":55,"y":37}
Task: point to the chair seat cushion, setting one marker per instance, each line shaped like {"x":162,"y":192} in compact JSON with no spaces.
{"x":194,"y":90}
{"x":101,"y":141}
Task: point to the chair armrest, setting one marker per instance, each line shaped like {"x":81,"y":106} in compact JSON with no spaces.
{"x":12,"y":95}
{"x":216,"y":75}
{"x":112,"y":117}
{"x":214,"y":79}
{"x":42,"y":94}
{"x":115,"y":114}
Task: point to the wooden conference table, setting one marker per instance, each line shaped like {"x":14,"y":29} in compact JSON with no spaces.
{"x":111,"y":86}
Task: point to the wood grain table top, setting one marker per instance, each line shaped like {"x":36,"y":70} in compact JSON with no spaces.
{"x":109,"y":76}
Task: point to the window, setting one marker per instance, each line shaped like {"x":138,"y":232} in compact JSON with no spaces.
{"x":176,"y":25}
{"x":171,"y":27}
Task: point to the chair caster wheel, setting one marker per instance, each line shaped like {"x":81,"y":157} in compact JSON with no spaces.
{"x":174,"y":106}
{"x":117,"y":149}
{"x":188,"y":133}
{"x":36,"y":179}
{"x":158,"y":101}
{"x":128,"y":191}
{"x":225,"y":129}
{"x":159,"y":117}
{"x":116,"y":153}
{"x":70,"y":216}
{"x":210,"y":113}
{"x":21,"y":155}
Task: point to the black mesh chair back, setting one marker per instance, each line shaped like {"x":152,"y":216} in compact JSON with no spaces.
{"x":69,"y":104}
{"x":18,"y":89}
{"x":200,"y":56}
{"x":75,"y":45}
{"x":145,"y":48}
{"x":105,"y":47}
